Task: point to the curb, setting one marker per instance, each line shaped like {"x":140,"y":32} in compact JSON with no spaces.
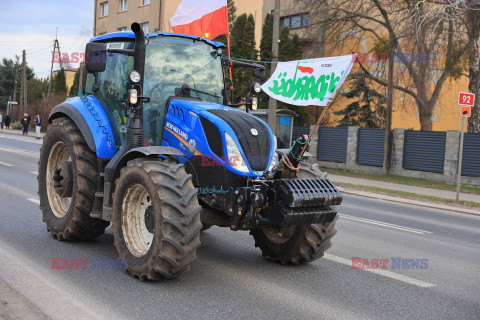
{"x":431,"y":205}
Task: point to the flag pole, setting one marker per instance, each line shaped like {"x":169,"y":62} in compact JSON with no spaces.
{"x":228,"y":49}
{"x":229,"y":59}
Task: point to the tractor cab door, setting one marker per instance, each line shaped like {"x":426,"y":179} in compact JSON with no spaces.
{"x":110,"y":88}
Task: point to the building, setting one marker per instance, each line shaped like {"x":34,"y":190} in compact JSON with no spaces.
{"x":69,"y":76}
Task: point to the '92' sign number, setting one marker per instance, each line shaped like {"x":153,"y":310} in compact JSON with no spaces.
{"x":466,"y":99}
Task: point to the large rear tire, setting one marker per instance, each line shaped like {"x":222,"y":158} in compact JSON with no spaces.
{"x":296,"y":244}
{"x":64,"y":156}
{"x":156,"y":220}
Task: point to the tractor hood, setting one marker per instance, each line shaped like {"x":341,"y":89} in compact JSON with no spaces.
{"x":251,"y":134}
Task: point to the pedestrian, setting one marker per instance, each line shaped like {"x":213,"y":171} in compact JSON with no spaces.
{"x":7,"y":122}
{"x":38,"y":125}
{"x":1,"y":120}
{"x":25,"y":123}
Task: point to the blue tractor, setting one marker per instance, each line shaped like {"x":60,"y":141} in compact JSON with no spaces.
{"x":151,"y":146}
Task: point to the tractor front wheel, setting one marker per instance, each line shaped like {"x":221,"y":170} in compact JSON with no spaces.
{"x":297,"y":244}
{"x":156,"y":220}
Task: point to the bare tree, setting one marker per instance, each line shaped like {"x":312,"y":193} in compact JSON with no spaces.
{"x":423,"y":43}
{"x":465,"y":15}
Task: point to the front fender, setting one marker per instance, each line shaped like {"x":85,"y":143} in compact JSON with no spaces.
{"x":92,"y":120}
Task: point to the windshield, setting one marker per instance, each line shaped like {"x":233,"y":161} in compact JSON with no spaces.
{"x":173,"y":61}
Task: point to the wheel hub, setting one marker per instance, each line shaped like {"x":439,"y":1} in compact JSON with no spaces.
{"x":279,"y":235}
{"x":63,"y":179}
{"x":149,"y":218}
{"x":138,"y":220}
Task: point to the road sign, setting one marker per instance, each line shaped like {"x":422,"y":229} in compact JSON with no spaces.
{"x":466,"y":111}
{"x":13,"y":102}
{"x":466,"y":99}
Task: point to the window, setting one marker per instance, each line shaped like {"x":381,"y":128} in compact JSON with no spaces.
{"x":297,"y":21}
{"x":112,"y":90}
{"x":145,"y":27}
{"x":123,"y":5}
{"x":122,"y":29}
{"x":171,"y":62}
{"x":306,"y":20}
{"x":145,"y":2}
{"x":104,"y":9}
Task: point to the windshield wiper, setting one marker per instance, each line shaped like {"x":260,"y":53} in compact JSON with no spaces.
{"x":186,"y":87}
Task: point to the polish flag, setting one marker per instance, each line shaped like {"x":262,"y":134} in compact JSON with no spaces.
{"x":206,"y":18}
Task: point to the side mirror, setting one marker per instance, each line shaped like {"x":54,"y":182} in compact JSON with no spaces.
{"x":96,"y":56}
{"x":259,"y":72}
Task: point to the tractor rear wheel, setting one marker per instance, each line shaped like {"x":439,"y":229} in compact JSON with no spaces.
{"x":156,"y":220}
{"x":296,"y":244}
{"x":67,"y":181}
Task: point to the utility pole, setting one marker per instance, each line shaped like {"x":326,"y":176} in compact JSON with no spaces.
{"x":56,"y":45}
{"x":80,"y":78}
{"x":272,"y":103}
{"x":23,"y":83}
{"x":388,"y":123}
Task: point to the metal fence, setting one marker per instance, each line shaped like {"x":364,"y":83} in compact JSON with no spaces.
{"x":370,"y":147}
{"x":424,"y":151}
{"x":471,"y":155}
{"x":332,"y":144}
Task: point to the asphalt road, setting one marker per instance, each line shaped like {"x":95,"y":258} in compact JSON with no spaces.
{"x":231,"y":280}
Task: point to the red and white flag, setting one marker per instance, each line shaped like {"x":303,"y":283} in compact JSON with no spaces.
{"x":206,"y":18}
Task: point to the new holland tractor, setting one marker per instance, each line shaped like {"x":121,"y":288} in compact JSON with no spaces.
{"x":151,"y":146}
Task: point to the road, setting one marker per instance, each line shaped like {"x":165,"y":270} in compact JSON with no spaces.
{"x":231,"y":280}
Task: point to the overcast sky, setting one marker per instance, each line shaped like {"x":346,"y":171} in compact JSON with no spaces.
{"x":31,"y":25}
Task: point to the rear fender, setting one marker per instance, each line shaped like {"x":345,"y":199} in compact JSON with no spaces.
{"x":92,"y":120}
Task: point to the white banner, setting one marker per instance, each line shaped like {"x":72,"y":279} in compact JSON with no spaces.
{"x":309,"y":82}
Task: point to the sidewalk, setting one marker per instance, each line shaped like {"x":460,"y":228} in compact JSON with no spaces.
{"x":446,"y":194}
{"x":31,"y":133}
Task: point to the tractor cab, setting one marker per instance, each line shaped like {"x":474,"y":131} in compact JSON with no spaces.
{"x":175,"y":65}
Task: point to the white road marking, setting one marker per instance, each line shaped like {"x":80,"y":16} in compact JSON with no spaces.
{"x":382,"y":272}
{"x":34,"y":172}
{"x":34,"y":200}
{"x":23,"y":152}
{"x":6,"y":164}
{"x":385,"y":224}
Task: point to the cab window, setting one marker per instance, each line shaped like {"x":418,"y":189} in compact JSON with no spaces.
{"x":111,"y":87}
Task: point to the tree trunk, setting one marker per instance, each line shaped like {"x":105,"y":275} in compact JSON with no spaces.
{"x":426,"y":118}
{"x":473,"y":17}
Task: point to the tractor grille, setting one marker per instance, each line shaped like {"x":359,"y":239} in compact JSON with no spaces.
{"x":256,"y":148}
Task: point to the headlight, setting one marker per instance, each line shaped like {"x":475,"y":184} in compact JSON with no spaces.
{"x":234,"y":156}
{"x":134,"y":76}
{"x":274,"y":161}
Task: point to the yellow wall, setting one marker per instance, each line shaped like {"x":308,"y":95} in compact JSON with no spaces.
{"x":69,"y":77}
